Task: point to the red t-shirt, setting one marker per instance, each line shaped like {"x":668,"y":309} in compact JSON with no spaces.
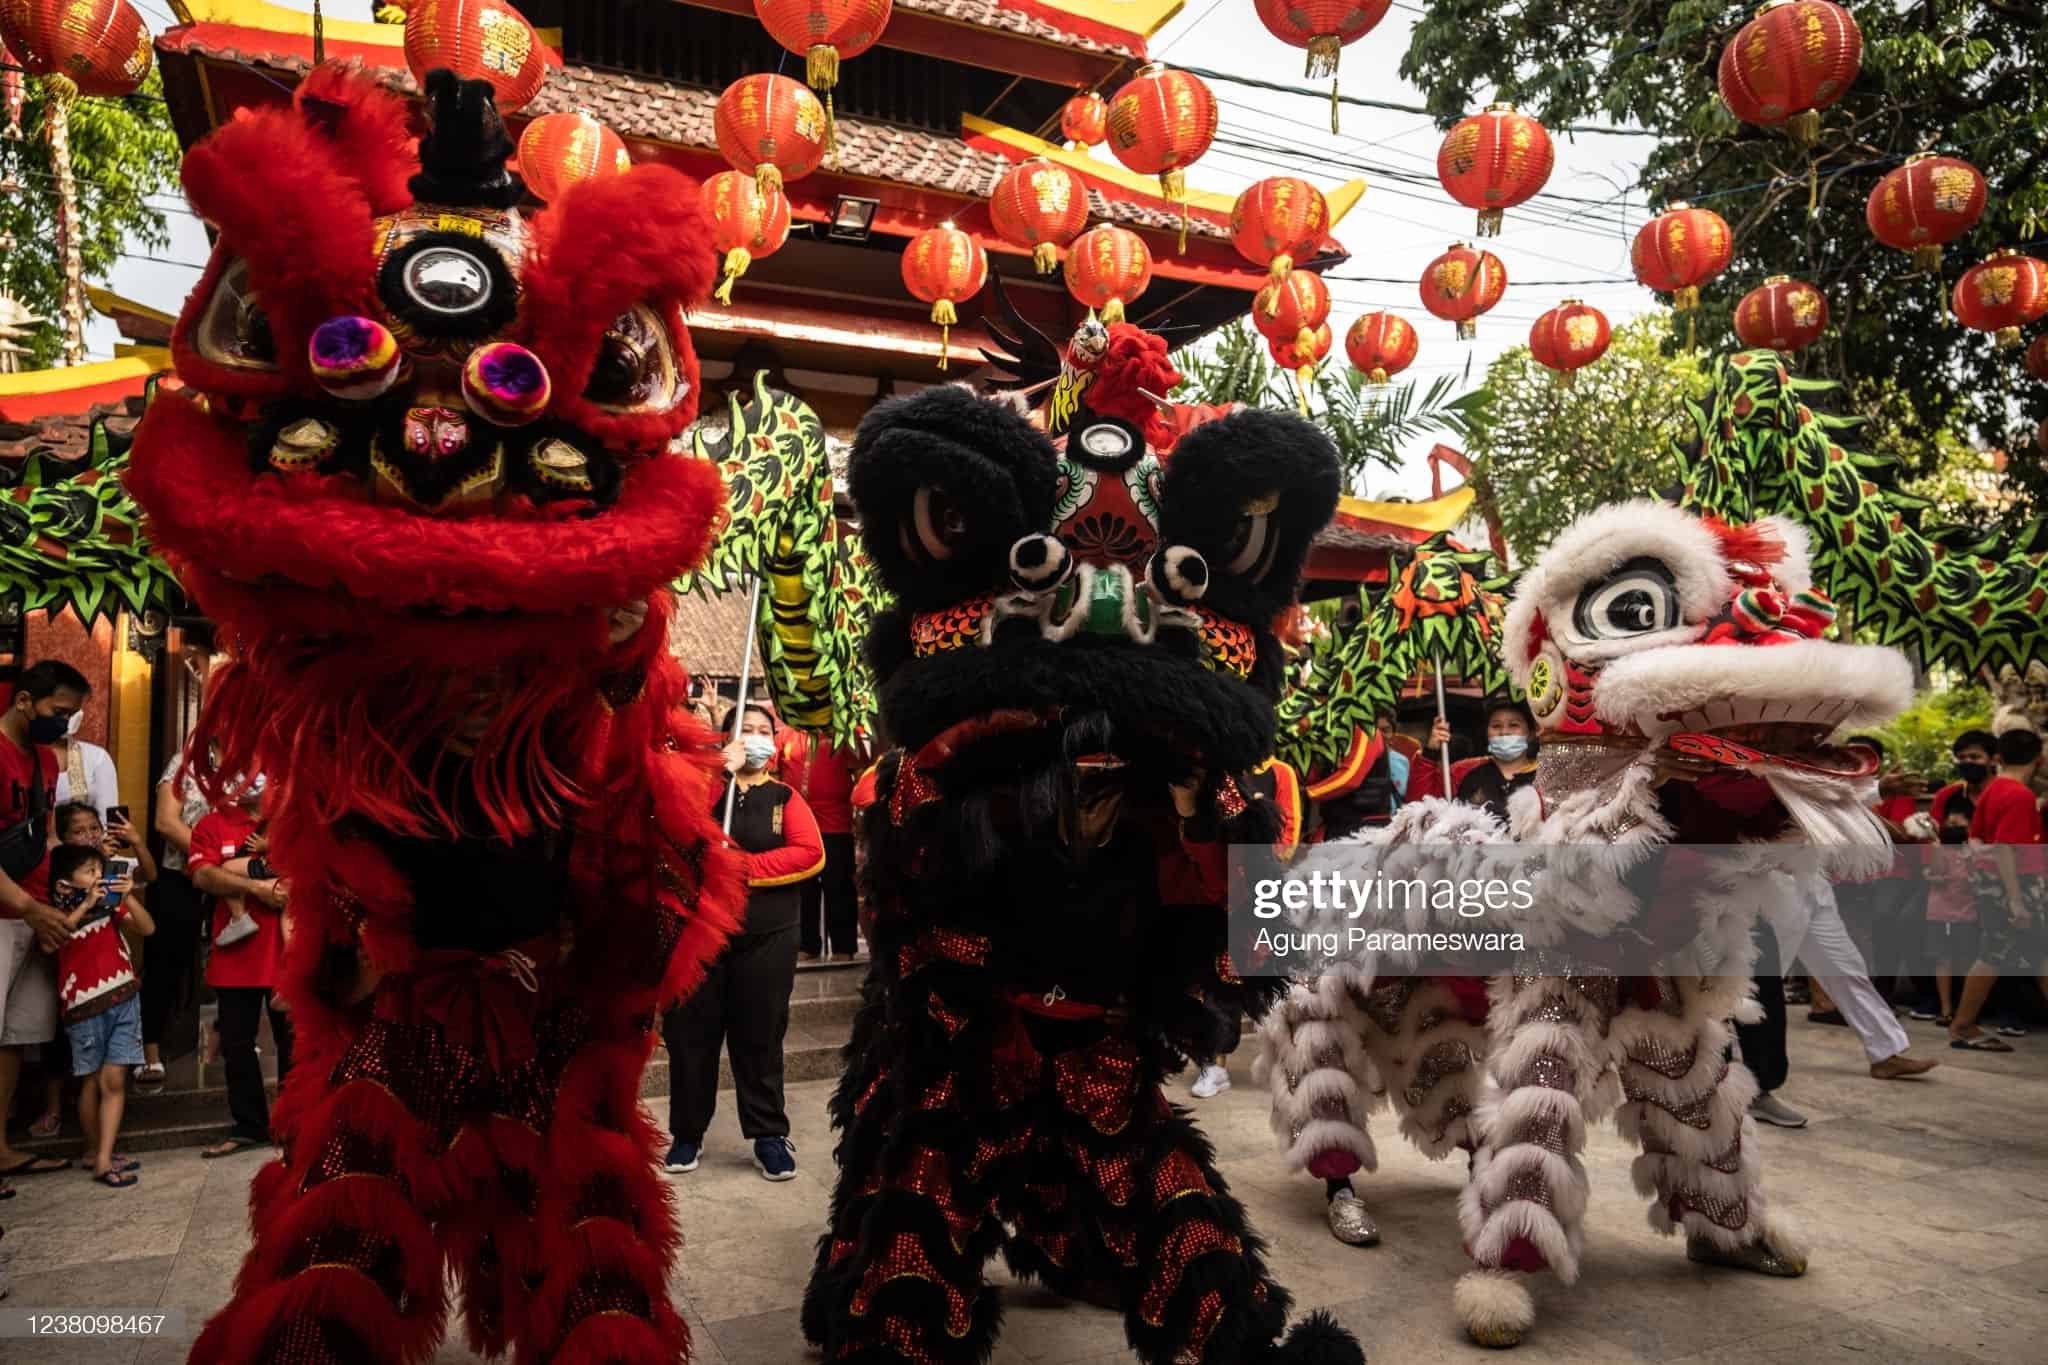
{"x":1941,"y":800}
{"x":2006,"y":814}
{"x":16,"y":768}
{"x":821,"y":775}
{"x":94,"y":971}
{"x":259,"y":959}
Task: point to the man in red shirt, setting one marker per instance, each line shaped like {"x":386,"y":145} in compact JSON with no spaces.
{"x":228,"y":863}
{"x":823,"y":777}
{"x":1976,"y":756}
{"x":41,"y":703}
{"x":2008,"y":819}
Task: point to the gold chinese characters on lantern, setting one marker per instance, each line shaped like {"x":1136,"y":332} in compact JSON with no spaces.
{"x":1107,"y":268}
{"x":1493,"y":161}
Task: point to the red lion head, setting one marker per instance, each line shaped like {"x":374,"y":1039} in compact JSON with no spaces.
{"x":423,"y":423}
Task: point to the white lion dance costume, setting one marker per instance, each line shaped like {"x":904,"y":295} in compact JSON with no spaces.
{"x":1685,"y":697}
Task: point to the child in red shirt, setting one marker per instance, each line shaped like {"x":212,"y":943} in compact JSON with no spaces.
{"x":98,"y":989}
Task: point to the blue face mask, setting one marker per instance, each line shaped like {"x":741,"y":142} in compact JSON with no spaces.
{"x":1507,"y":747}
{"x":759,"y":749}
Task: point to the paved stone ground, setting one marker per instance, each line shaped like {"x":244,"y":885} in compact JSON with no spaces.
{"x":1927,"y":1203}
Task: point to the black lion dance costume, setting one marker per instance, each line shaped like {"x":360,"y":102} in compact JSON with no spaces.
{"x":418,"y":469}
{"x":1079,"y":657}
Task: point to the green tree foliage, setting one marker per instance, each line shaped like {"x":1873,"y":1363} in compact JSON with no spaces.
{"x":1547,"y":453}
{"x":1369,"y":424}
{"x":1956,"y":76}
{"x":123,"y":154}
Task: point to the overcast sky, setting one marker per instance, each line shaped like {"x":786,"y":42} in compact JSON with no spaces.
{"x":1392,"y":234}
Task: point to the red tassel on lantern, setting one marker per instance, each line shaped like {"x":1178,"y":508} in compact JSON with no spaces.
{"x":823,"y":33}
{"x":1324,"y":27}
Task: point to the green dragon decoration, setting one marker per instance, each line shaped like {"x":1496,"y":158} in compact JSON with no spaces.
{"x":1958,"y":597}
{"x":71,"y":538}
{"x":1438,"y":610}
{"x":818,"y":592}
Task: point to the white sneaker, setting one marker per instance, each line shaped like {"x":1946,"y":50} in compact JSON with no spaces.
{"x":1213,"y":1081}
{"x":234,"y":931}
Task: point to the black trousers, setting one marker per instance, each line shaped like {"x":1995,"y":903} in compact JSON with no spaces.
{"x":1763,"y":1045}
{"x":830,"y":896}
{"x":241,"y":1013}
{"x":743,"y":1004}
{"x":170,"y":966}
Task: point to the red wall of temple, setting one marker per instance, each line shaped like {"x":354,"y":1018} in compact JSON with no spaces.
{"x":91,"y":652}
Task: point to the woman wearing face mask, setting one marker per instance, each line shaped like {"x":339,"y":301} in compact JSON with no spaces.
{"x":744,"y":1000}
{"x":1511,"y":754}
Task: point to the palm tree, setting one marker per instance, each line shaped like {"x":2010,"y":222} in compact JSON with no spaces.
{"x":1369,"y":423}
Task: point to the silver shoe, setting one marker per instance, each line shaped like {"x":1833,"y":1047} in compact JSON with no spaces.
{"x":1768,"y":1108}
{"x":1350,"y":1223}
{"x":1757,"y":1256}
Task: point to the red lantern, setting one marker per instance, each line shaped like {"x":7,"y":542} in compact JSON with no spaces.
{"x":1159,"y":123}
{"x":1569,"y":336}
{"x":1107,"y":268}
{"x":1293,"y":308}
{"x":485,"y":40}
{"x":745,"y":224}
{"x":1278,"y":220}
{"x":2037,"y":358}
{"x":1681,"y":249}
{"x":14,"y":86}
{"x":1793,"y":60}
{"x":1463,"y":283}
{"x":1494,"y":161}
{"x":1381,"y":345}
{"x":1084,"y":119}
{"x":1781,"y":314}
{"x":1039,"y":205}
{"x":943,"y":266}
{"x":771,"y":127}
{"x":1323,"y":27}
{"x":1924,"y":204}
{"x":1301,"y":354}
{"x":560,"y":150}
{"x":822,"y":32}
{"x":2002,"y":294}
{"x":81,"y":47}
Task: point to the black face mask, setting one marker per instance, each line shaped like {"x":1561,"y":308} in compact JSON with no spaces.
{"x":48,"y":729}
{"x":1973,"y":773}
{"x":1952,"y":835}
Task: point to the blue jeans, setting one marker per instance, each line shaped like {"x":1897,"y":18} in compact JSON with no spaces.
{"x":113,"y":1037}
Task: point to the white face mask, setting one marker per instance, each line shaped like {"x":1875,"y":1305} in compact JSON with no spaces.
{"x":759,"y":749}
{"x":77,"y":718}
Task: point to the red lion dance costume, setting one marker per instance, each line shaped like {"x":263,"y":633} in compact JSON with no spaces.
{"x":418,"y":473}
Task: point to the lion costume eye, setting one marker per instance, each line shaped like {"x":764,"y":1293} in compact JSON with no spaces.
{"x":235,"y":331}
{"x":1639,"y":598}
{"x":636,"y":365}
{"x":1249,"y":551}
{"x":941,"y":525}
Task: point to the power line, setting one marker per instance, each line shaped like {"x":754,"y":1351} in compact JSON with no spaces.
{"x":1278,"y":87}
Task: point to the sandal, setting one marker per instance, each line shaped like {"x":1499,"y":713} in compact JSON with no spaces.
{"x":150,"y":1078}
{"x":1943,"y":1020}
{"x":37,"y":1165}
{"x":1983,"y":1042}
{"x":116,"y":1179}
{"x":46,"y":1127}
{"x":2012,"y":1031}
{"x":233,"y":1146}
